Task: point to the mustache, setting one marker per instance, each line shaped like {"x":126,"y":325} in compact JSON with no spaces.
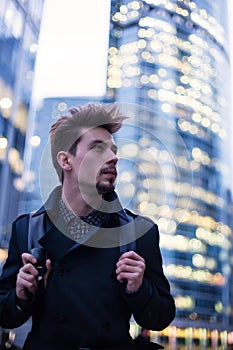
{"x":110,"y":169}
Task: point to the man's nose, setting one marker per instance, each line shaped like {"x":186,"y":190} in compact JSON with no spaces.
{"x":112,"y":158}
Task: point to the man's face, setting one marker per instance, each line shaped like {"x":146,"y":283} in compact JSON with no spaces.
{"x":94,"y":164}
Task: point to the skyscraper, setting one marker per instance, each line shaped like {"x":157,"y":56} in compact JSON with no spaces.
{"x":168,"y":67}
{"x":19,"y":32}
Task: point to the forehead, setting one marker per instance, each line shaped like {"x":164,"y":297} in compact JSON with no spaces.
{"x":96,"y":134}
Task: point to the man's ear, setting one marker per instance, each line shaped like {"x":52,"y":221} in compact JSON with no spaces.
{"x":63,"y":159}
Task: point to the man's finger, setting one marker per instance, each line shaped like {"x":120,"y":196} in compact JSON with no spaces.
{"x":28,"y":258}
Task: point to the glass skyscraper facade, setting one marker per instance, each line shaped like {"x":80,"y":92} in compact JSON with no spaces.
{"x":19,"y":33}
{"x":168,"y":68}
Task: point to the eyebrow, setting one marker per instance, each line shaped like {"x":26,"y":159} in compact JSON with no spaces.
{"x":96,"y":142}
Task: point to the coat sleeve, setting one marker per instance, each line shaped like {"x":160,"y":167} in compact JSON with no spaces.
{"x":152,"y":306}
{"x":10,"y":314}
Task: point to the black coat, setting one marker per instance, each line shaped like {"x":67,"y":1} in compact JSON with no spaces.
{"x":84,"y":304}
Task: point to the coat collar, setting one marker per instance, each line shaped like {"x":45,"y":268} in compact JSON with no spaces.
{"x":56,"y":238}
{"x":111,"y":203}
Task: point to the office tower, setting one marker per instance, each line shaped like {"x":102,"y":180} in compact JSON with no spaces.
{"x":19,"y":32}
{"x":168,"y":68}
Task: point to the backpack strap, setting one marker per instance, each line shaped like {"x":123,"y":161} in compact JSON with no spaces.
{"x":127,"y":236}
{"x":35,"y":230}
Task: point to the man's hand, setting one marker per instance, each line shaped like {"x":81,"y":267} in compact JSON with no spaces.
{"x":27,"y":278}
{"x":131,"y":267}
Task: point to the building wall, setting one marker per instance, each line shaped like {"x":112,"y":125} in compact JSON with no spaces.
{"x":169,"y":69}
{"x":19,"y":32}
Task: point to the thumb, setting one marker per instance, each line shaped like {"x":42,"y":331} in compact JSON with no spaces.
{"x":48,"y":269}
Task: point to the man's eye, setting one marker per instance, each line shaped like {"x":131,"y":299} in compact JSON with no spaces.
{"x":99,"y":147}
{"x":114,"y":150}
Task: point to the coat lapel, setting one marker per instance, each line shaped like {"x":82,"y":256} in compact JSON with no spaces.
{"x":56,"y":239}
{"x":56,"y":243}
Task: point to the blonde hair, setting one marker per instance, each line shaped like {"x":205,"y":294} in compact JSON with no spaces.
{"x":66,"y":132}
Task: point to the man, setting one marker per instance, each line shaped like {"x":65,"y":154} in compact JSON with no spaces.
{"x":94,"y":282}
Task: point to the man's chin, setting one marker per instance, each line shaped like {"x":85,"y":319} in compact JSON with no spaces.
{"x":103,"y":188}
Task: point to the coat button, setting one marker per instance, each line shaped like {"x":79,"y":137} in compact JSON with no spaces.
{"x":61,"y":319}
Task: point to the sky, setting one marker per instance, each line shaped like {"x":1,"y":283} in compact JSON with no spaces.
{"x":73,"y":44}
{"x":72,"y":55}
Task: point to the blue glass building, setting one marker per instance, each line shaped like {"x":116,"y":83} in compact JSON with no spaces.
{"x":19,"y":32}
{"x":168,"y":68}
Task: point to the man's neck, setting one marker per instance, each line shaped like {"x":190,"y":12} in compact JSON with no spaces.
{"x":78,"y":203}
